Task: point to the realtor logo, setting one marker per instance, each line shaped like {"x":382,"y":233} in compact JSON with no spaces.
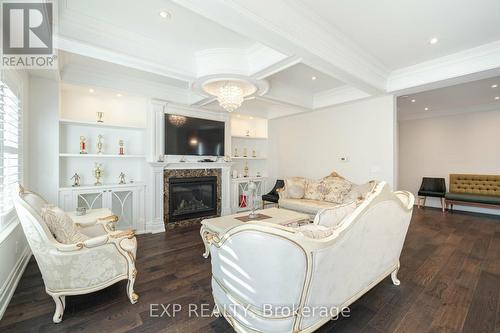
{"x":27,"y":35}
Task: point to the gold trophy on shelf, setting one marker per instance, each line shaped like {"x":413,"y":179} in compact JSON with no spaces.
{"x":99,"y":144}
{"x":98,"y":174}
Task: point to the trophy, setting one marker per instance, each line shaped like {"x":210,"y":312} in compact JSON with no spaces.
{"x":98,"y":174}
{"x":99,"y":144}
{"x":244,"y":152}
{"x":254,"y":153}
{"x":76,"y":180}
{"x":99,"y":117}
{"x":121,"y":144}
{"x":122,"y":178}
{"x":235,"y":152}
{"x":83,"y":145}
{"x":245,"y":170}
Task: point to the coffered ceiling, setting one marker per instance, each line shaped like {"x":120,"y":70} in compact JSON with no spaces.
{"x":353,"y":49}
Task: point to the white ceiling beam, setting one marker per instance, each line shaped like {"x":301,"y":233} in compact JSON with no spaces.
{"x":452,"y":69}
{"x":95,"y":52}
{"x":293,"y":29}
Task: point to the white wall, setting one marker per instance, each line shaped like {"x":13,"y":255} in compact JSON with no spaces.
{"x":43,"y":136}
{"x":436,"y":147}
{"x":14,"y":250}
{"x":311,"y":144}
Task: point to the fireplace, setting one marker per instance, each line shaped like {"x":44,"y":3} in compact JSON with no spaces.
{"x":192,"y":197}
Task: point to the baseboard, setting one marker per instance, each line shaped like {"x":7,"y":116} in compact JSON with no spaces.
{"x":11,"y":284}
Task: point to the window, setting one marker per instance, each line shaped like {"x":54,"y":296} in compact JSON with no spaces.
{"x":10,"y":148}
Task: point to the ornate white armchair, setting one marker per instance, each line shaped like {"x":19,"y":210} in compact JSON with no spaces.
{"x":81,"y":268}
{"x":270,"y":278}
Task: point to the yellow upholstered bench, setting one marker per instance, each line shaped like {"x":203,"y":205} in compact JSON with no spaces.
{"x":474,"y":190}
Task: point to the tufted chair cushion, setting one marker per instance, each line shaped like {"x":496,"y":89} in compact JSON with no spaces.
{"x":475,"y":184}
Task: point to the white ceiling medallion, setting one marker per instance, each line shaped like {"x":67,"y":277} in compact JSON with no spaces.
{"x":230,"y":90}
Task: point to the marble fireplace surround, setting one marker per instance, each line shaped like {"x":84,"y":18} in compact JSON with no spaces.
{"x":188,"y":173}
{"x":158,"y":184}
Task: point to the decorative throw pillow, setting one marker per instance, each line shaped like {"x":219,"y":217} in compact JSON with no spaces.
{"x":335,"y":189}
{"x":333,"y":217}
{"x":315,"y":231}
{"x":295,"y":187}
{"x":358,"y":193}
{"x":61,"y":225}
{"x":314,"y":190}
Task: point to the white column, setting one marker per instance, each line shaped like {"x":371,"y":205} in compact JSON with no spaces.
{"x":155,"y":222}
{"x":156,"y":130}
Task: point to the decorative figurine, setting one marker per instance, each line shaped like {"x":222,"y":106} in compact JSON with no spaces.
{"x":99,"y":144}
{"x":245,"y":170}
{"x":76,"y":180}
{"x":258,"y":174}
{"x":244,"y":152}
{"x":254,"y":153}
{"x":122,"y":178}
{"x":121,"y":150}
{"x":183,"y":159}
{"x":83,"y":145}
{"x":235,"y":152}
{"x":248,"y":133}
{"x":99,"y":117}
{"x":98,"y":174}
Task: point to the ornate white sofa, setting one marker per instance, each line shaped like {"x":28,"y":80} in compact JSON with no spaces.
{"x":307,"y":205}
{"x":270,"y":278}
{"x":81,"y":268}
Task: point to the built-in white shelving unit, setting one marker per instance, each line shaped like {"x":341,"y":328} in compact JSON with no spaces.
{"x":124,"y":119}
{"x":100,"y":155}
{"x":248,"y":135}
{"x":248,"y":158}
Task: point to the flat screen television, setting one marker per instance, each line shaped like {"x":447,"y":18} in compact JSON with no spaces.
{"x":193,"y":136}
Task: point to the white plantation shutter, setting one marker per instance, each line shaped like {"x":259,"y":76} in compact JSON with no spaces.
{"x":10,"y":148}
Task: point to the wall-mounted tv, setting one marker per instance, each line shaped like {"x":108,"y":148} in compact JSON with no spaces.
{"x":193,"y":136}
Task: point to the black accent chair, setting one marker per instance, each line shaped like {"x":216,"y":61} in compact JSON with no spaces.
{"x":432,"y":187}
{"x":273,"y":196}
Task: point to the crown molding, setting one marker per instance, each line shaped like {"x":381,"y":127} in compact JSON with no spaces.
{"x":461,"y":64}
{"x":338,"y":95}
{"x":487,"y":107}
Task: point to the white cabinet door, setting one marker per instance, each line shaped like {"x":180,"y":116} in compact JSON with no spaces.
{"x":127,"y":202}
{"x":123,"y":203}
{"x":241,"y":194}
{"x":91,"y":199}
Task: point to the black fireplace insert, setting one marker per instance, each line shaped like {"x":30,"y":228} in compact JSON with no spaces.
{"x":192,"y":197}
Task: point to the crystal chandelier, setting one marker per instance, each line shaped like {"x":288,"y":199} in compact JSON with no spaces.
{"x":230,"y":96}
{"x":176,"y":120}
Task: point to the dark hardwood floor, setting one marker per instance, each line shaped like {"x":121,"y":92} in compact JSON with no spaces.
{"x":450,"y":282}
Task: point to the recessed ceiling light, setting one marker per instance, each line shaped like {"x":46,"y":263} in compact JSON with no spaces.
{"x":165,"y":15}
{"x":413,"y":100}
{"x":497,"y":97}
{"x":91,"y":90}
{"x":433,"y":40}
{"x":118,"y":95}
{"x":313,"y":78}
{"x":494,"y":85}
{"x":426,"y":109}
